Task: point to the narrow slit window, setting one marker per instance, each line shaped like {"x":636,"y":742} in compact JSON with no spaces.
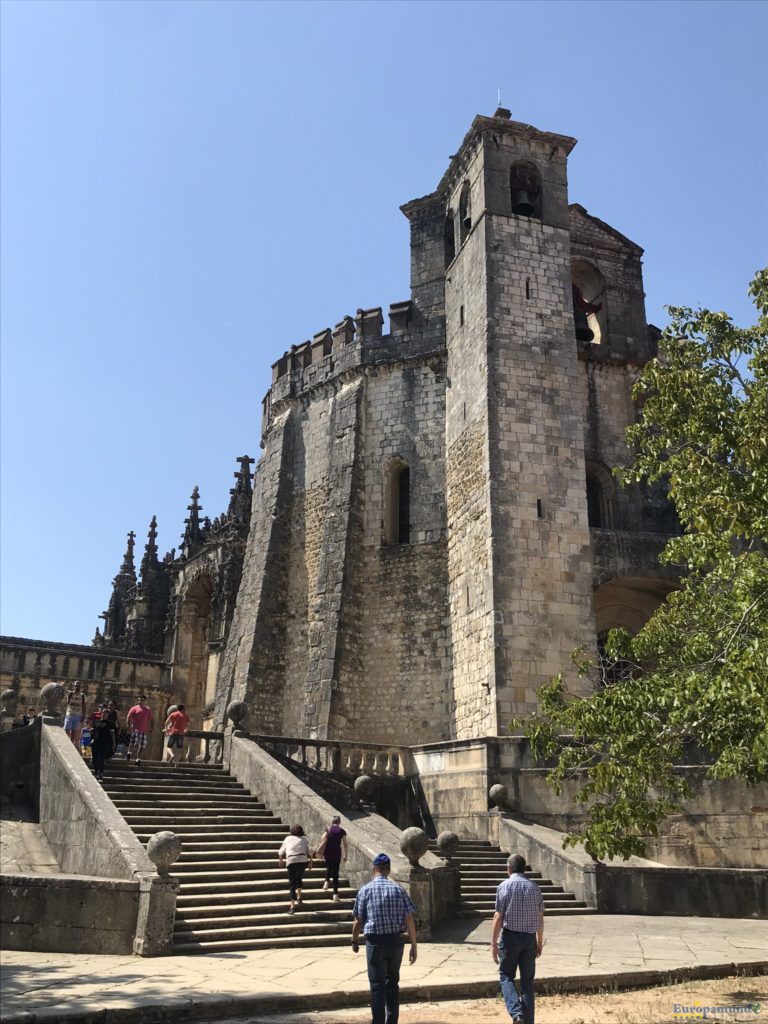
{"x":404,"y":506}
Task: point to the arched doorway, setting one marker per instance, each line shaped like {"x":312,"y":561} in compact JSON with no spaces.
{"x":191,"y":669}
{"x":625,"y":603}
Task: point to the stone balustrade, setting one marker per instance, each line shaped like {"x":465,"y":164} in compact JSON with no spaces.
{"x":340,"y":757}
{"x":206,"y":737}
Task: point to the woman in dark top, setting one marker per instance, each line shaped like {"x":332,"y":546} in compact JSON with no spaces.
{"x":101,"y":742}
{"x":333,"y":847}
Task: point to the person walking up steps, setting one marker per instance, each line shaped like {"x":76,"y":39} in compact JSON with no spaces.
{"x":101,"y":742}
{"x":333,"y":847}
{"x":519,"y":919}
{"x":139,"y":721}
{"x":297,"y":854}
{"x":176,"y":726}
{"x":383,"y":910}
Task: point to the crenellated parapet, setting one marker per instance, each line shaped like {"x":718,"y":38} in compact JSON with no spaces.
{"x":354,"y":343}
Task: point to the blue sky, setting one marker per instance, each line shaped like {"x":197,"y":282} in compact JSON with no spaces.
{"x":190,"y":188}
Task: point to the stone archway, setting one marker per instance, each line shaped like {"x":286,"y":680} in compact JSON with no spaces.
{"x":191,"y":671}
{"x":627,"y":602}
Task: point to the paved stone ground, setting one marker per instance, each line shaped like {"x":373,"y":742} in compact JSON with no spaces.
{"x":24,"y":850}
{"x":580,"y":952}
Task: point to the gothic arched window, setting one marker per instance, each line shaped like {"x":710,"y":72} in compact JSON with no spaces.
{"x":600,"y":497}
{"x":397,"y":499}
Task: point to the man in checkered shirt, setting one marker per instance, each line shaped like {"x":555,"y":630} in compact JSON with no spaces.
{"x":383,"y":911}
{"x":519,"y":918}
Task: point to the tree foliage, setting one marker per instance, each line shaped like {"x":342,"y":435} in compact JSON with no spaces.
{"x":696,"y":675}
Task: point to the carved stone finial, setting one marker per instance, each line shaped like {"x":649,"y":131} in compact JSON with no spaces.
{"x":364,"y":787}
{"x":51,"y":697}
{"x":448,"y":844}
{"x":237,"y":713}
{"x":499,"y":797}
{"x":414,"y":843}
{"x":164,"y":849}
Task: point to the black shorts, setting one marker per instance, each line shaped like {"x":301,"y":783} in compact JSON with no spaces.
{"x":175,"y":740}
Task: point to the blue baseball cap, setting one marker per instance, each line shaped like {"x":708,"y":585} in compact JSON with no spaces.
{"x":381,"y":860}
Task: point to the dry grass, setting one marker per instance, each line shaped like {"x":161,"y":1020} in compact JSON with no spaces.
{"x":639,"y":1006}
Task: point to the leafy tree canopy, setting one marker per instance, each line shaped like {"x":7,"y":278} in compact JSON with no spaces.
{"x":696,"y":675}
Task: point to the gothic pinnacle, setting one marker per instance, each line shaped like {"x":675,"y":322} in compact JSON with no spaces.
{"x":128,"y":567}
{"x":149,"y":561}
{"x":192,"y":523}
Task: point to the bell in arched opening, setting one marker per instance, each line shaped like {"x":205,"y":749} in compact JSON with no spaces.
{"x":581,"y":311}
{"x":522,"y":203}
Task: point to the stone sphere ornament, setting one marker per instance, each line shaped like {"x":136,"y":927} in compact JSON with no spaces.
{"x":51,"y":697}
{"x":448,"y":844}
{"x":237,"y":712}
{"x":498,"y":796}
{"x":9,"y":701}
{"x":414,"y":843}
{"x":364,"y":787}
{"x":164,"y":849}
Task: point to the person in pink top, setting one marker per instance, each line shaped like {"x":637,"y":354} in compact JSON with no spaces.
{"x":139,"y":721}
{"x":176,"y":725}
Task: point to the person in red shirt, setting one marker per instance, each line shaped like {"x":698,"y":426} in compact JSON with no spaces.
{"x":176,"y":725}
{"x":139,"y":721}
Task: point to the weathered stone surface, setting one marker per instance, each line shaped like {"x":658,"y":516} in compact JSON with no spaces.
{"x":448,"y":844}
{"x":499,"y":796}
{"x":237,"y":713}
{"x":414,"y":843}
{"x":365,"y":787}
{"x":164,"y":849}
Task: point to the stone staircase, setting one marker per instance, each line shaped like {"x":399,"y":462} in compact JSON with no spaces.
{"x":233,"y":896}
{"x":483,"y":867}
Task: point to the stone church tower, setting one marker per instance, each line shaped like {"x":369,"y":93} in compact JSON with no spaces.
{"x":434,"y":524}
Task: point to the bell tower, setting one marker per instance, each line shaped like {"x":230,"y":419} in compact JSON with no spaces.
{"x":519,"y":558}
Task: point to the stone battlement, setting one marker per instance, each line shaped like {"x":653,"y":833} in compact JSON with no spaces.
{"x":353,"y":343}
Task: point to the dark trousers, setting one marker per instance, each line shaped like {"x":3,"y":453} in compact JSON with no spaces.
{"x":332,"y":873}
{"x":517,"y":951}
{"x":99,"y":755}
{"x":295,"y":876}
{"x":385,"y":954}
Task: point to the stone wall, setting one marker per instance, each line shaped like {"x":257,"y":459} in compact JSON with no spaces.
{"x":68,"y":914}
{"x":722,"y":824}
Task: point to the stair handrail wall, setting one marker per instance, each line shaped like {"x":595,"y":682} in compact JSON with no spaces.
{"x":432,"y":884}
{"x":89,"y":836}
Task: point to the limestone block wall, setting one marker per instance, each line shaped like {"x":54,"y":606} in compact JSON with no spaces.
{"x":541,"y":548}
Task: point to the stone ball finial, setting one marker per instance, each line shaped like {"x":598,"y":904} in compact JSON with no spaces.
{"x":414,"y":843}
{"x":51,"y":697}
{"x":164,"y":849}
{"x":9,"y":699}
{"x":448,"y":844}
{"x":364,"y":787}
{"x":237,"y":712}
{"x":498,"y":796}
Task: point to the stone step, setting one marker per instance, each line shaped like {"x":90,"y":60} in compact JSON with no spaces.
{"x":267,"y":902}
{"x":194,"y":875}
{"x":119,"y":766}
{"x":287,"y":928}
{"x":140,"y":822}
{"x":276,"y":942}
{"x":225,"y":833}
{"x":196,"y":887}
{"x":237,"y":867}
{"x":564,"y":911}
{"x":490,"y":891}
{"x":208,"y":858}
{"x":196,"y":808}
{"x":207,"y":901}
{"x":272,"y":914}
{"x":564,"y":900}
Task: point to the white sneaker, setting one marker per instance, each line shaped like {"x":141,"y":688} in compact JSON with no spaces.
{"x":326,"y":885}
{"x":335,"y":897}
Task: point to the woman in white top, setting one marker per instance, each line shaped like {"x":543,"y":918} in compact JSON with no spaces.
{"x":297,"y":854}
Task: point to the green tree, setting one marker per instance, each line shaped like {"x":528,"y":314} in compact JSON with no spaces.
{"x":697,"y":673}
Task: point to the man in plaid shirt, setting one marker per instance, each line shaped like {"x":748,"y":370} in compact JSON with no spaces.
{"x":383,"y":910}
{"x":519,"y":918}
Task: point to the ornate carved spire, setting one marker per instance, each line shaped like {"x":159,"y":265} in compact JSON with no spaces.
{"x":240,"y":500}
{"x":150,"y":562}
{"x":128,"y":568}
{"x":192,"y":524}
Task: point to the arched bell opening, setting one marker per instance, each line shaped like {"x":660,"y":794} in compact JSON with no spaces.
{"x":450,"y":238}
{"x":601,"y":497}
{"x":589,"y":309}
{"x":525,"y":190}
{"x":465,"y":212}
